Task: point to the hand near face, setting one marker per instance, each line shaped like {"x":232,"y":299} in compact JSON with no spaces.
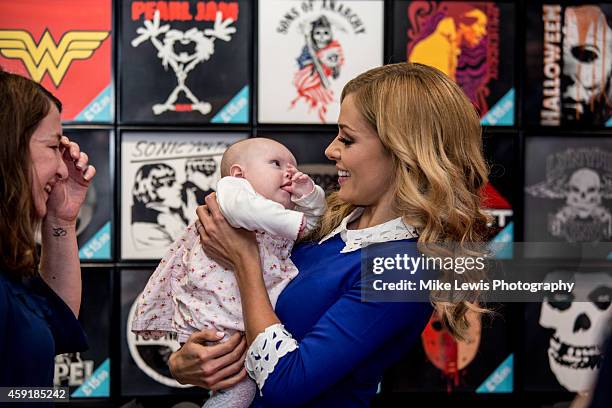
{"x":69,"y":193}
{"x":301,"y":184}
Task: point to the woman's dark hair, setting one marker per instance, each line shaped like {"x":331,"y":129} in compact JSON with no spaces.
{"x":25,"y":104}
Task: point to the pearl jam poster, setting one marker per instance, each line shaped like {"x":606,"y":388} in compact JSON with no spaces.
{"x":88,"y":373}
{"x":438,"y":363}
{"x":58,"y":43}
{"x":568,"y":193}
{"x":569,"y":64}
{"x":144,"y":363}
{"x":95,"y":219}
{"x":185,"y":61}
{"x":471,"y":42}
{"x":308,"y":50}
{"x":309,"y":151}
{"x":564,"y":338}
{"x":164,"y":177}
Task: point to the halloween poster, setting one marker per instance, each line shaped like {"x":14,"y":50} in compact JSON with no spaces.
{"x":185,"y":62}
{"x":95,"y":219}
{"x":308,"y":51}
{"x":569,"y":64}
{"x":164,"y":177}
{"x":59,"y":43}
{"x":471,"y":42}
{"x":87,"y":374}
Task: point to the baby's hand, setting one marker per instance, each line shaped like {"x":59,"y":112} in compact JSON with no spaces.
{"x":301,"y":184}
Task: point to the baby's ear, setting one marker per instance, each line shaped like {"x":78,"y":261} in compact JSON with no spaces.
{"x":236,"y":171}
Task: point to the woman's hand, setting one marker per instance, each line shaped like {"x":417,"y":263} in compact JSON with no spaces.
{"x":69,"y":194}
{"x":223,"y":243}
{"x":214,"y":367}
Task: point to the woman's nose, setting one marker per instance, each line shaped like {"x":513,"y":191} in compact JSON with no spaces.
{"x":331,"y":152}
{"x":62,"y":169}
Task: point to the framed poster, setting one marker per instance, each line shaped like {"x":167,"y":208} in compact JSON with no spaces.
{"x":564,"y":334}
{"x":164,"y":177}
{"x":568,"y":193}
{"x":193,"y":61}
{"x":569,"y":64}
{"x":144,"y":363}
{"x":498,"y":196}
{"x":308,"y":51}
{"x":88,"y":373}
{"x":471,"y":42}
{"x":59,"y":44}
{"x":309,"y":151}
{"x":439,"y":363}
{"x":95,"y":220}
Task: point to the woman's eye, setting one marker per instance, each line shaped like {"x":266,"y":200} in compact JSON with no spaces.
{"x":345,"y":141}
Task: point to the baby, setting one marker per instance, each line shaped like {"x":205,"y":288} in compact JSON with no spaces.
{"x":260,"y":190}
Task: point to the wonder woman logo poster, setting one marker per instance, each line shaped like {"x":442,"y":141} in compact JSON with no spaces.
{"x":464,"y":40}
{"x":66,"y":46}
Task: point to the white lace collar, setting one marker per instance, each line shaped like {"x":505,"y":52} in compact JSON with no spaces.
{"x":393,"y":230}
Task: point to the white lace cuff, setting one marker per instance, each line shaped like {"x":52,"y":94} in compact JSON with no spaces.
{"x":265,"y":351}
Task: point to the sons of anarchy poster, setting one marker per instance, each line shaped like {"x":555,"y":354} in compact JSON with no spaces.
{"x":308,"y":50}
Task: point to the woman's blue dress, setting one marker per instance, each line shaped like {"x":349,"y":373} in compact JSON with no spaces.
{"x":345,"y":344}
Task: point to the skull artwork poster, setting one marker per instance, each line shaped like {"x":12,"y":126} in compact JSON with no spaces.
{"x":581,"y":178}
{"x":574,"y":351}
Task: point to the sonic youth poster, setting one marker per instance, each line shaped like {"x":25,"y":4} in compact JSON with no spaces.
{"x":144,"y":363}
{"x":484,"y":364}
{"x":87,"y":373}
{"x":308,"y":50}
{"x":164,"y":177}
{"x":309,"y":151}
{"x":569,"y":64}
{"x":185,"y":61}
{"x":59,"y":44}
{"x":471,"y":42}
{"x":568,"y":191}
{"x":498,"y":193}
{"x":95,"y":220}
{"x":564,"y":339}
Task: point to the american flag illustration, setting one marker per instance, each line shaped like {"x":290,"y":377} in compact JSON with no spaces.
{"x":312,"y":79}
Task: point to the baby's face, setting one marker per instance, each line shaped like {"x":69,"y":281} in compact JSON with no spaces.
{"x":267,"y":171}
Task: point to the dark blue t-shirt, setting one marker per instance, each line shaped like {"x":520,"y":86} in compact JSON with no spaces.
{"x":35,"y":325}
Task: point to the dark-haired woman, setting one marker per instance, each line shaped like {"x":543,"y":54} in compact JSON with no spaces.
{"x":43,"y":181}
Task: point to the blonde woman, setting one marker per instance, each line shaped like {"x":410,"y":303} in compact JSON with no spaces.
{"x":410,"y":167}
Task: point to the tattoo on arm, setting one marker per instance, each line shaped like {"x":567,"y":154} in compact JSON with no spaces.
{"x":59,"y":232}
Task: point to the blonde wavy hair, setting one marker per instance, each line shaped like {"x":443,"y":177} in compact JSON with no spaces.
{"x":433,"y":135}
